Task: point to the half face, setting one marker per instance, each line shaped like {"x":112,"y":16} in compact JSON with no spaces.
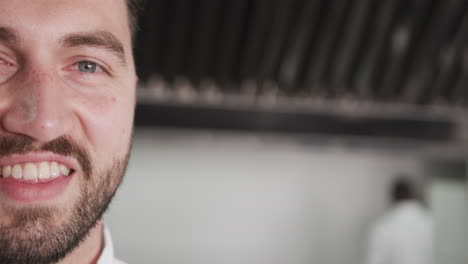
{"x":67,"y":95}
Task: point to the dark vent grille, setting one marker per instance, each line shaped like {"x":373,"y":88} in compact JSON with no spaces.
{"x":384,"y":51}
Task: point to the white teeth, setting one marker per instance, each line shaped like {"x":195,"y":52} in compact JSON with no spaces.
{"x":64,"y":170}
{"x":17,"y":172}
{"x":44,"y":171}
{"x":29,"y":172}
{"x":54,"y":170}
{"x":6,"y":171}
{"x":34,"y":171}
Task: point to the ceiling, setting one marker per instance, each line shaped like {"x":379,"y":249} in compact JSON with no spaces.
{"x":409,"y":56}
{"x":407,"y":51}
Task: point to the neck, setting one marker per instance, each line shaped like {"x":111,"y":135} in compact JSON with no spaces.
{"x":89,"y":250}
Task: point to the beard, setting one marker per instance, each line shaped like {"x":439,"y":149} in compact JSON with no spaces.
{"x":43,"y":235}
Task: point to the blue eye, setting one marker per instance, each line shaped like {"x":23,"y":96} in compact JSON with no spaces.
{"x":88,"y":67}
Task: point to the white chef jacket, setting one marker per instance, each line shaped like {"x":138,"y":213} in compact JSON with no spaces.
{"x":403,"y":236}
{"x":107,"y":255}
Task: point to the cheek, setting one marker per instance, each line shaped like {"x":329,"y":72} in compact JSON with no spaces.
{"x":106,"y":121}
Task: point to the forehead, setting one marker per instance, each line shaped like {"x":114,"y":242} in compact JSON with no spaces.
{"x":51,"y":19}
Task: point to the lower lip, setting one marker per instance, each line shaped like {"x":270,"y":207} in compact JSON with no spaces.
{"x":34,"y":192}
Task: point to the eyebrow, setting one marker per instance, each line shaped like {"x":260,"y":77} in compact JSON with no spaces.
{"x":100,"y":39}
{"x":7,"y":35}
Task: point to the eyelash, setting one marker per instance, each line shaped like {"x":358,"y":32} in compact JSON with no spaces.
{"x":100,"y":67}
{"x":2,"y":61}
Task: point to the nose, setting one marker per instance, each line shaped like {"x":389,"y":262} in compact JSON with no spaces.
{"x":37,"y":107}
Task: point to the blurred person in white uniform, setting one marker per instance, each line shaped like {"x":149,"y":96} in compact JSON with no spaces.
{"x":404,"y":235}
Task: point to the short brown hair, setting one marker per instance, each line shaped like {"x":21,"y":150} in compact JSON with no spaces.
{"x":133,"y":7}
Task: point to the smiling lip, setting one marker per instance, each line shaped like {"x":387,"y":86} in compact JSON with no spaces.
{"x":37,"y":157}
{"x":33,"y":191}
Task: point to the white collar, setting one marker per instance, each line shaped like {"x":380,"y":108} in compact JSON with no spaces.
{"x":107,"y":255}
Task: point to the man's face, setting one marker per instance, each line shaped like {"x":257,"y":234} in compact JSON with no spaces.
{"x":67,"y":95}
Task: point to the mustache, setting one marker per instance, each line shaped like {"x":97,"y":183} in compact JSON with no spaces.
{"x":64,"y":145}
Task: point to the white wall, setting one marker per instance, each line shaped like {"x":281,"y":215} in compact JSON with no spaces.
{"x":199,"y":197}
{"x":449,"y":201}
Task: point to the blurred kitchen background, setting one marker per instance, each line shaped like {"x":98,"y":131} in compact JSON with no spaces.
{"x":270,"y":131}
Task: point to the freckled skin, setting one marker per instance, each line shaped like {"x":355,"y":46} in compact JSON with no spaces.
{"x":38,"y":86}
{"x":46,"y":97}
